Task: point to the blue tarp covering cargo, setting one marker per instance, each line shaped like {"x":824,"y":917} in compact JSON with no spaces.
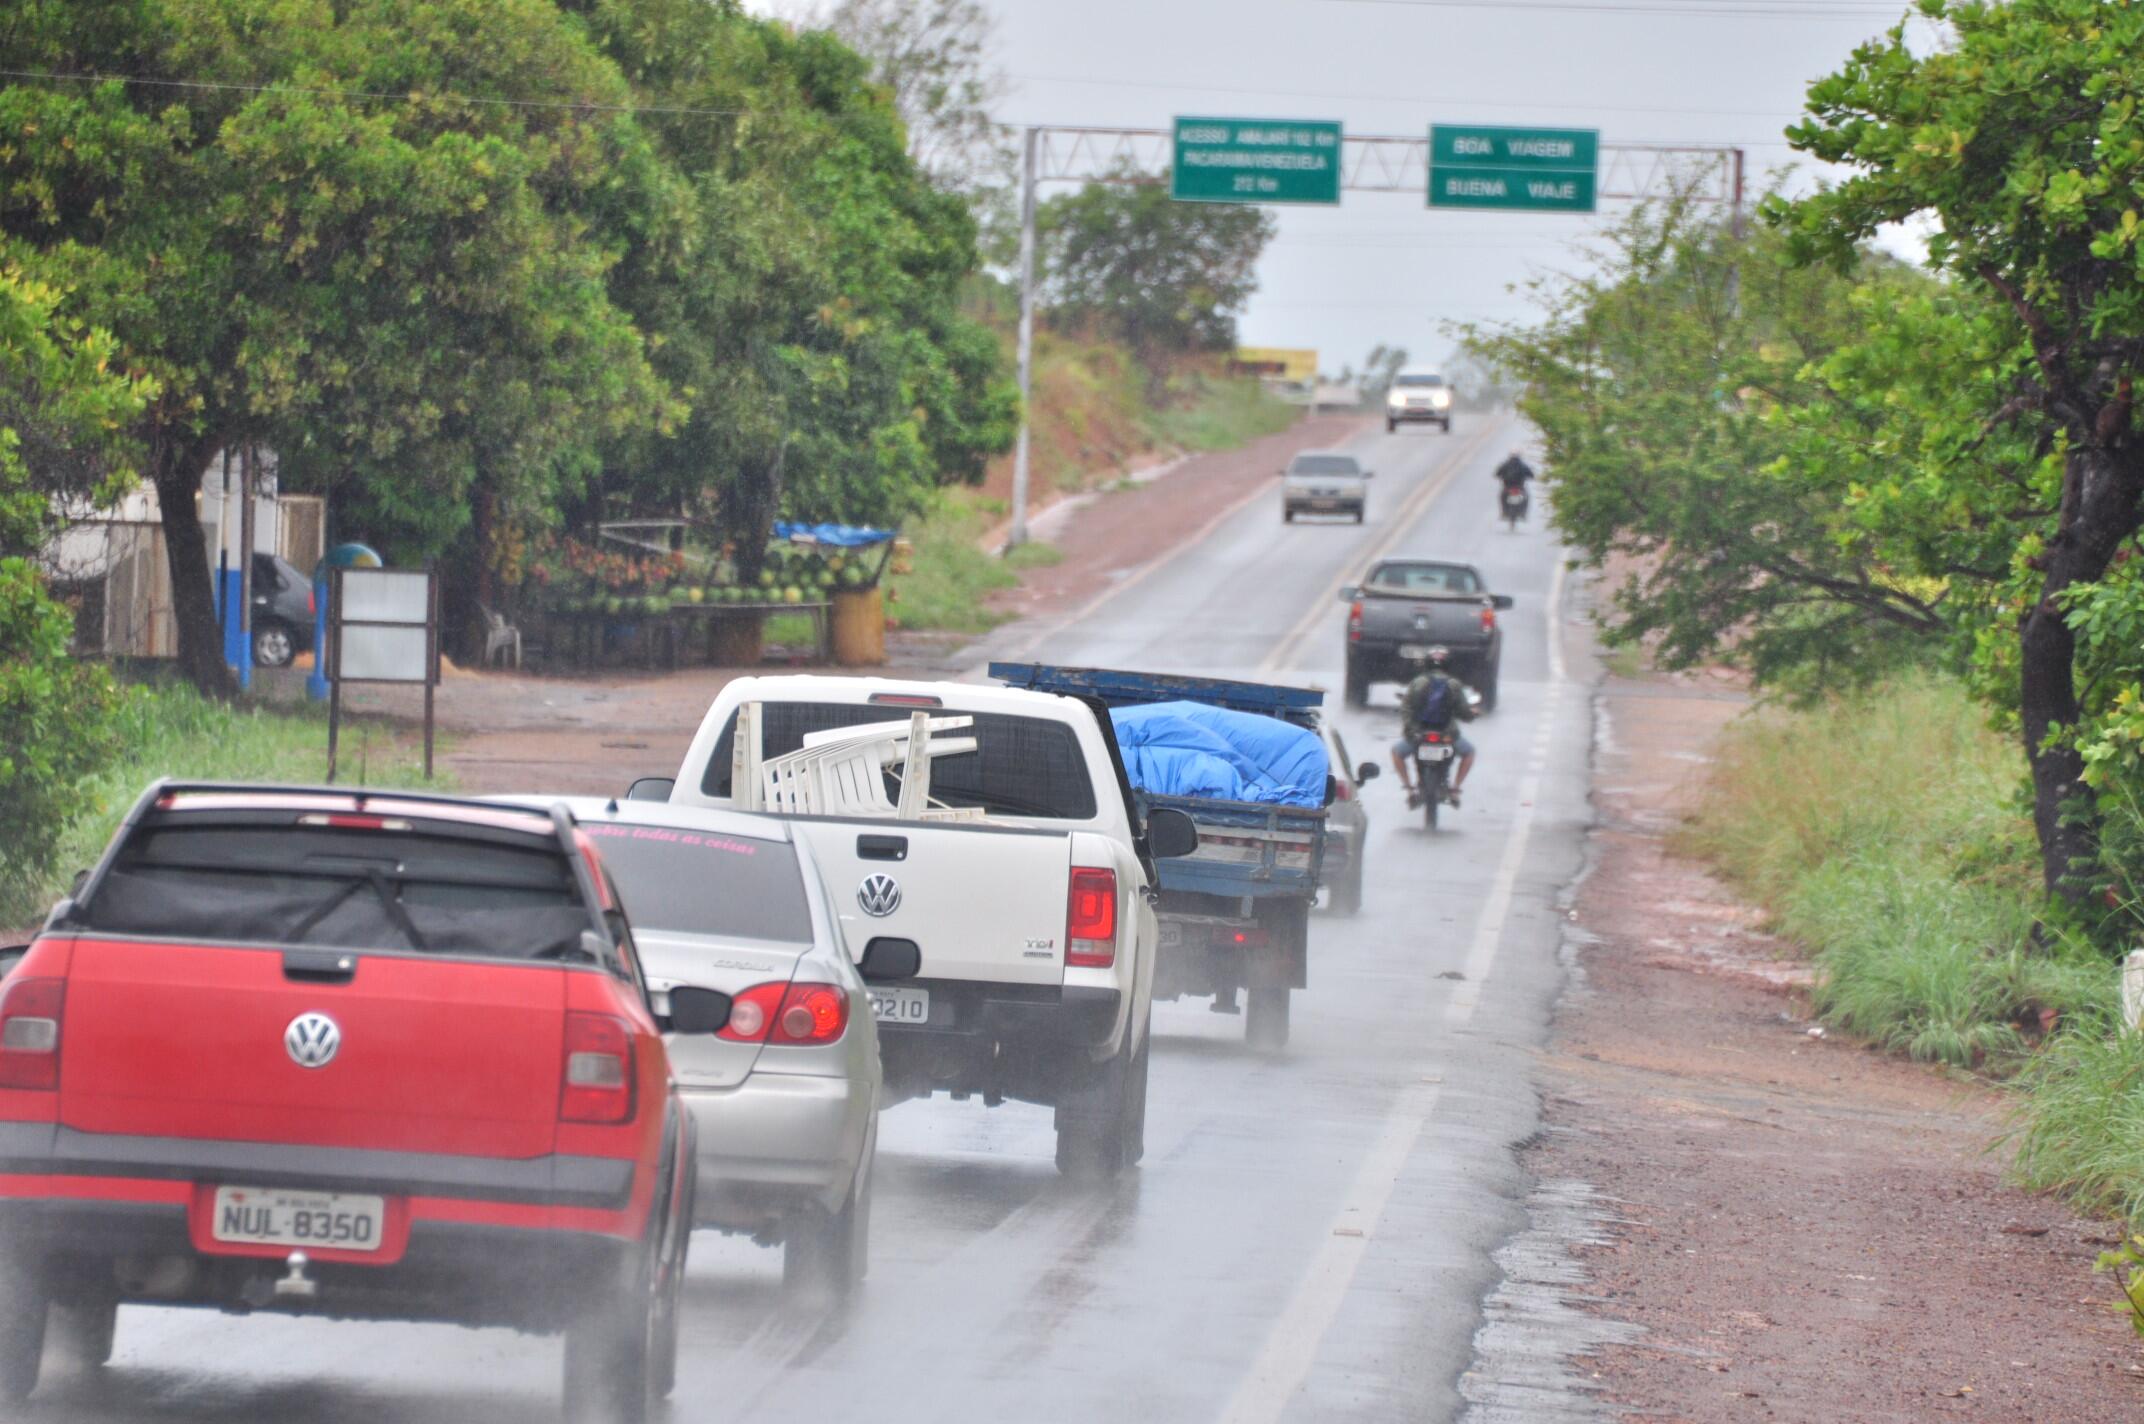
{"x":1193,"y":749}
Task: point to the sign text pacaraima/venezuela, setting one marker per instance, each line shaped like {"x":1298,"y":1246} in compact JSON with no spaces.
{"x":1530,"y":170}
{"x":1256,"y":161}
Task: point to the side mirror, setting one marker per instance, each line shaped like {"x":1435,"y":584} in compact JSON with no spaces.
{"x":1349,"y":593}
{"x":1368,"y":771}
{"x":651,"y":788}
{"x":592,"y":947}
{"x":1170,"y":833}
{"x":1501,"y":600}
{"x":697,"y":1010}
{"x":888,"y":960}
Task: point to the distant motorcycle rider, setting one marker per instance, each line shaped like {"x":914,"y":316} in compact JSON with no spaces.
{"x":1514,"y":472}
{"x":1434,"y":702}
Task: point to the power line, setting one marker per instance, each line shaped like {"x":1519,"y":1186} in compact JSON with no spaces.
{"x":364,"y":95}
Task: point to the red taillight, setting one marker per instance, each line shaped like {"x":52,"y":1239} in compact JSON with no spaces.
{"x":905,"y":699}
{"x":30,"y":1033}
{"x":598,"y":1081}
{"x":312,"y":601}
{"x":788,"y":1013}
{"x":1432,"y":737}
{"x":1248,"y":939}
{"x":1354,"y":621}
{"x":1342,"y":791}
{"x":1091,"y":923}
{"x":346,"y":821}
{"x":1488,"y":619}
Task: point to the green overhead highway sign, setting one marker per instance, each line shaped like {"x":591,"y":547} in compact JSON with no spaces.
{"x":1523,"y":170}
{"x":1255,"y":161}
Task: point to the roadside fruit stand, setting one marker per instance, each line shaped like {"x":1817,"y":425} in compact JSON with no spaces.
{"x":665,"y":610}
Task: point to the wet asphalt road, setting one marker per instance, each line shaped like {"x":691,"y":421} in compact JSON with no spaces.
{"x":1309,"y":1237}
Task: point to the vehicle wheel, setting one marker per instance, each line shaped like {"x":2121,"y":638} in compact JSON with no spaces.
{"x":1488,"y":689}
{"x":1391,"y":425}
{"x":1095,"y":1126}
{"x":1135,"y":1148}
{"x":273,"y":645}
{"x":85,"y":1333}
{"x":1432,"y":797}
{"x":1358,"y":516}
{"x":826,"y":1257}
{"x":1265,"y":1017}
{"x":1447,"y":425}
{"x":610,"y":1356}
{"x":1287,"y":516}
{"x":1358,"y":686}
{"x":22,"y":1331}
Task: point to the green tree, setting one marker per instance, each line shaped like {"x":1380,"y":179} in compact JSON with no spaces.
{"x":934,"y":59}
{"x":1161,"y":276}
{"x":2020,"y":144}
{"x":1677,"y":388}
{"x":61,"y":406}
{"x":804,"y":298}
{"x":354,"y":231}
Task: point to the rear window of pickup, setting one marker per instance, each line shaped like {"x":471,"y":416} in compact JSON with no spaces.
{"x":1022,"y":766}
{"x":1423,"y":578}
{"x":270,"y":882}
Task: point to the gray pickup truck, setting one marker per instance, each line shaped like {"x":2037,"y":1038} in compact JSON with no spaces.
{"x":1406,"y":606}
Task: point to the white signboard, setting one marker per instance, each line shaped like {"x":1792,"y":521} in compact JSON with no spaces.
{"x":385,"y":596}
{"x":379,"y":652}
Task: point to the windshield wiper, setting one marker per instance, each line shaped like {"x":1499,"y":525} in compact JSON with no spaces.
{"x":397,"y":913}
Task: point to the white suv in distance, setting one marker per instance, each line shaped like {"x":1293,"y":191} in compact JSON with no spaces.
{"x":1418,"y":395}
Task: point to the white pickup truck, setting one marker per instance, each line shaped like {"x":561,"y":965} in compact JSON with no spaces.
{"x":1010,"y":856}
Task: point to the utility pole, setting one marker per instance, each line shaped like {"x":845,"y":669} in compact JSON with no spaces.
{"x":1027,"y":335}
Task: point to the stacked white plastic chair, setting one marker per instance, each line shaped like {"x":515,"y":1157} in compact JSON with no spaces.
{"x":842,"y":772}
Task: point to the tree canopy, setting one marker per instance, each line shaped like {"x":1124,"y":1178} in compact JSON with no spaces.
{"x":475,"y":268}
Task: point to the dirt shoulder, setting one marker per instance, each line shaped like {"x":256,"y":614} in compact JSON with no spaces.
{"x":1804,"y":1229}
{"x":593,"y":734}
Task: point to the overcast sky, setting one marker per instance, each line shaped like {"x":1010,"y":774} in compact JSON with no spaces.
{"x":1382,"y":267}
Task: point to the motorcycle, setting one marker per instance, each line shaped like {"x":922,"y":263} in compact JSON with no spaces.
{"x":1514,"y":504}
{"x":1434,"y":753}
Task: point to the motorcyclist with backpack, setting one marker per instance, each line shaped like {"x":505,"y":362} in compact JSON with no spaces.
{"x":1434,"y":701}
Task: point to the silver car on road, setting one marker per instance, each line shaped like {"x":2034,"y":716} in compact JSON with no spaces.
{"x":786,"y":1097}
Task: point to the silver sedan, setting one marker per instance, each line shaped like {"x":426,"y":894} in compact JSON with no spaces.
{"x":786,"y":1097}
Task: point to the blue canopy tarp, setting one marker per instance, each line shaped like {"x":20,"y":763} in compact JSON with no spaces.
{"x":1191,"y":749}
{"x":840,"y":536}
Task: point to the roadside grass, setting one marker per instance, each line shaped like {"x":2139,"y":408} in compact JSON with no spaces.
{"x":953,"y":578}
{"x":1033,"y":555}
{"x":1885,"y":833}
{"x":1207,"y":412}
{"x":173,"y":731}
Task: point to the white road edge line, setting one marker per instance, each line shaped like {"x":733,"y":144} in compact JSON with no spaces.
{"x":1291,"y":1346}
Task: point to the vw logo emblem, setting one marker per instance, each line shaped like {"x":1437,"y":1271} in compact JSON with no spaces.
{"x":312,"y":1040}
{"x":880,"y":895}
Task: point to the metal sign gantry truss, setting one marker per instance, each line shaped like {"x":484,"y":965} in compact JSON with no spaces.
{"x":1369,"y":164}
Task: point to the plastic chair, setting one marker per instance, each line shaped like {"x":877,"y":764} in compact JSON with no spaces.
{"x":502,"y":639}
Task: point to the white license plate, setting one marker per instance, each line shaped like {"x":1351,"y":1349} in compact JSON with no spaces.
{"x":1412,"y":651}
{"x":1172,"y":935}
{"x":1440,"y":752}
{"x":901,"y":1006}
{"x":270,"y":1216}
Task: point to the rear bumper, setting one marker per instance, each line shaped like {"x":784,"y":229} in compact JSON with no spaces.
{"x":1380,"y":661}
{"x":1425,"y":414}
{"x":1010,"y":1040}
{"x":464,"y":1272}
{"x":773,"y":1143}
{"x":48,"y":1150}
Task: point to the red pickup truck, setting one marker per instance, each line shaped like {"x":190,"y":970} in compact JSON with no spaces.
{"x":358,"y":1055}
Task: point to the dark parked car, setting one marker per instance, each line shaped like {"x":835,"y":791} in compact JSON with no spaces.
{"x":283,"y":612}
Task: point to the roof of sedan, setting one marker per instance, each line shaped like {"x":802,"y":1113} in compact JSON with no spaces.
{"x":592,"y":810}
